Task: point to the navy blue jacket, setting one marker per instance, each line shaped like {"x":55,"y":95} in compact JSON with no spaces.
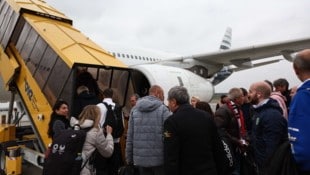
{"x":269,"y":130}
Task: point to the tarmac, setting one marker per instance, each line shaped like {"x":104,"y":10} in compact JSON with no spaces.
{"x":29,"y":169}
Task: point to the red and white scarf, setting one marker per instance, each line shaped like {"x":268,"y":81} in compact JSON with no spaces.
{"x":239,"y":116}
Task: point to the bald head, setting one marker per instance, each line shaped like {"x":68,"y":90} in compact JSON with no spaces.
{"x":157,"y":91}
{"x":259,"y":91}
{"x":301,"y":64}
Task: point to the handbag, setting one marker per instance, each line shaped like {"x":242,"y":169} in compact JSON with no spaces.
{"x":128,"y":170}
{"x":247,"y":163}
{"x":282,"y":161}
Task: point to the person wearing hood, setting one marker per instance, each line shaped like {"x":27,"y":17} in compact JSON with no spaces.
{"x":269,"y":127}
{"x":144,"y":145}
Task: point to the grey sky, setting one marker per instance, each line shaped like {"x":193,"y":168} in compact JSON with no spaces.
{"x":190,"y":27}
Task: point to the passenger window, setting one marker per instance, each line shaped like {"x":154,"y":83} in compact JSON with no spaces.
{"x":3,"y":13}
{"x":23,"y":37}
{"x":56,"y":81}
{"x":46,"y":65}
{"x":9,"y":29}
{"x":28,"y":46}
{"x":36,"y":55}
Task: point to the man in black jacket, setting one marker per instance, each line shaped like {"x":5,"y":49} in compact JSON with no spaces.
{"x":191,"y":142}
{"x":84,"y":98}
{"x":269,"y":127}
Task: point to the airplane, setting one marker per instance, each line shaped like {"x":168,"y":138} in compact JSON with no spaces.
{"x":200,"y":72}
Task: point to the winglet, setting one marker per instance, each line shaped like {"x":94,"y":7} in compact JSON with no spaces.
{"x":226,"y":42}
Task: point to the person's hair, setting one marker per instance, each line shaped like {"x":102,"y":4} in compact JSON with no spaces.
{"x":154,"y":89}
{"x":90,"y":112}
{"x":137,"y":96}
{"x":178,"y":93}
{"x":244,"y":91}
{"x":223,"y":97}
{"x":234,"y":93}
{"x":269,"y":83}
{"x":58,"y":104}
{"x":205,"y":106}
{"x":263,"y":88}
{"x":281,"y":82}
{"x":196,"y":98}
{"x":301,"y":63}
{"x":81,"y":89}
{"x":108,"y":93}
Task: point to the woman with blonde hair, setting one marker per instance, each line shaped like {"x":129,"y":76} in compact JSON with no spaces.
{"x":194,"y":101}
{"x":95,"y":138}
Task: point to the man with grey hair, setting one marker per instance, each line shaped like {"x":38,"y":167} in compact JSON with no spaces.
{"x":231,"y":124}
{"x":133,"y":99}
{"x":191,"y":142}
{"x":299,"y":114}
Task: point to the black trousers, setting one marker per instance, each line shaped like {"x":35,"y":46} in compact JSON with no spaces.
{"x":111,"y":165}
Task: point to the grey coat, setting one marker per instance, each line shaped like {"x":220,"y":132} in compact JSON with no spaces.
{"x":144,"y":145}
{"x":96,"y":139}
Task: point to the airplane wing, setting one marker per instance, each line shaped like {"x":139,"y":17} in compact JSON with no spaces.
{"x":265,"y":62}
{"x":242,"y":57}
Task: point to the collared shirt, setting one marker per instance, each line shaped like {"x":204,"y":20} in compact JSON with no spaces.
{"x":261,"y":103}
{"x":303,"y":83}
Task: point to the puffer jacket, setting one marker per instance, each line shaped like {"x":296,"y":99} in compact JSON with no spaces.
{"x":144,"y":146}
{"x":96,"y":139}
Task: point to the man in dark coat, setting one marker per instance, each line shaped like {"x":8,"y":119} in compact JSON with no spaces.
{"x":269,"y":128}
{"x":191,"y":142}
{"x":231,"y":123}
{"x":84,"y":98}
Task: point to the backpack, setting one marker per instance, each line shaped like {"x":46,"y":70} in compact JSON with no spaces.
{"x":65,"y":156}
{"x":114,"y":119}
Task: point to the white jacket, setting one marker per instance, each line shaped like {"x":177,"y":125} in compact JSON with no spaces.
{"x":96,"y":139}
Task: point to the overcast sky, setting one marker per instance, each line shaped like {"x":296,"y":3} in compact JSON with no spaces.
{"x":194,"y":26}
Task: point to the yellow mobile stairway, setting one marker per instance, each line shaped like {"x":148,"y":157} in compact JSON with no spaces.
{"x":41,"y":55}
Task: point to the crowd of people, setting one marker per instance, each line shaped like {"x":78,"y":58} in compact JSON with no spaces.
{"x":186,"y":137}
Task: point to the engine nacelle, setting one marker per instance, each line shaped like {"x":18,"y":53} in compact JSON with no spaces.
{"x":167,"y":77}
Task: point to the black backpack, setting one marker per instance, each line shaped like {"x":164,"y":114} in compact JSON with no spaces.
{"x":64,"y":156}
{"x":114,"y":119}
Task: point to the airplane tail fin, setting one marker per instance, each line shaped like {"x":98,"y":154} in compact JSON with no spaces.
{"x":225,"y":72}
{"x":226,"y":42}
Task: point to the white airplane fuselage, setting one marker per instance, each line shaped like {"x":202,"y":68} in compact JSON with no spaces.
{"x":155,"y":70}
